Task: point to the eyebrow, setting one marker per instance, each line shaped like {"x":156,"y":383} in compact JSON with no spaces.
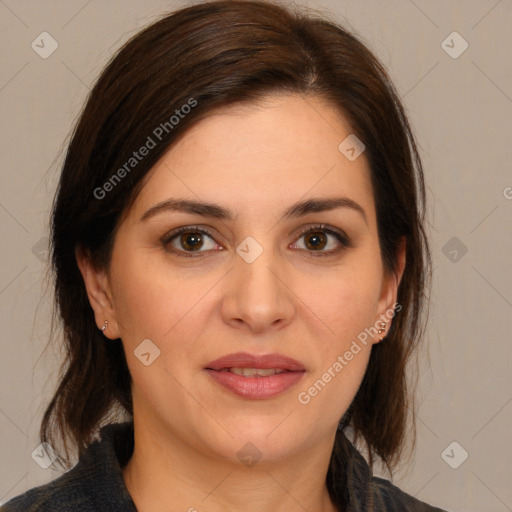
{"x":298,"y":209}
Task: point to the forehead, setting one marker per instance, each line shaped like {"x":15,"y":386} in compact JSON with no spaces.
{"x":261,"y":157}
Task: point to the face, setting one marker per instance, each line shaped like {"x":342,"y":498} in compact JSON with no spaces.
{"x":304,"y":285}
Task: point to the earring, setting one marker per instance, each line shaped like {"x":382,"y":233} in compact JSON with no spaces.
{"x":382,"y":329}
{"x":104,"y":325}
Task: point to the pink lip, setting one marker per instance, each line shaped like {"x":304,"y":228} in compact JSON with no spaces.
{"x":256,"y":388}
{"x":246,"y":360}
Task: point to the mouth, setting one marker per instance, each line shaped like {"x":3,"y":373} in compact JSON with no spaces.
{"x":255,"y":377}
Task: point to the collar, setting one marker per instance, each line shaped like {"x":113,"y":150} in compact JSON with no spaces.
{"x":100,"y":468}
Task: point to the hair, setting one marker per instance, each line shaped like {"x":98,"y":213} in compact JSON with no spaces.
{"x":209,"y":56}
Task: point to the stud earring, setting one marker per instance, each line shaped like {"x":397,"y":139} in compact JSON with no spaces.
{"x":382,"y":329}
{"x":104,"y":325}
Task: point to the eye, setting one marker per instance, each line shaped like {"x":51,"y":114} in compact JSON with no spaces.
{"x":189,"y":239}
{"x":317,"y":238}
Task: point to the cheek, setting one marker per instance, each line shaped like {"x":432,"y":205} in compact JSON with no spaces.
{"x":348,"y":308}
{"x":345,"y":299}
{"x":341,"y":363}
{"x":159,"y":303}
{"x":155,"y":303}
{"x":138,"y":290}
{"x":327,"y":394}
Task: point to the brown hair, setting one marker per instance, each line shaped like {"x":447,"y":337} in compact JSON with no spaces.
{"x":212,"y":55}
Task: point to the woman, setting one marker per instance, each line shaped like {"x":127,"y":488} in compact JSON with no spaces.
{"x":240,"y":269}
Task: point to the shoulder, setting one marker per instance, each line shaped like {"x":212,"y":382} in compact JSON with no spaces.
{"x":364,"y":491}
{"x":60,"y":495}
{"x":388,"y":497}
{"x":94,"y":484}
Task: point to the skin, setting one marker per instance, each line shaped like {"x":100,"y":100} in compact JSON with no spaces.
{"x":256,"y":160}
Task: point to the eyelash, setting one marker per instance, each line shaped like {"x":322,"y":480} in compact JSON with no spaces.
{"x":340,"y":236}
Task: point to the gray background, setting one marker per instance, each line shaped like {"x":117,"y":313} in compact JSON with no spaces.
{"x":461,"y":110}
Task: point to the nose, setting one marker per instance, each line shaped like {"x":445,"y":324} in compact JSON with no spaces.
{"x":257,"y":297}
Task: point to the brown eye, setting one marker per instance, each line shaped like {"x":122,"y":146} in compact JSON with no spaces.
{"x":317,"y":238}
{"x":188,"y":240}
{"x":191,"y":240}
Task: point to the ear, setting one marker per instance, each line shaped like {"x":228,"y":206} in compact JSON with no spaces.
{"x":389,"y":290}
{"x":99,"y":293}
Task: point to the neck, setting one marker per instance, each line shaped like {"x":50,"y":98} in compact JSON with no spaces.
{"x":164,"y":471}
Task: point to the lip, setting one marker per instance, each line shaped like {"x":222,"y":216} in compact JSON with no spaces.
{"x":246,"y":360}
{"x":256,"y":388}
